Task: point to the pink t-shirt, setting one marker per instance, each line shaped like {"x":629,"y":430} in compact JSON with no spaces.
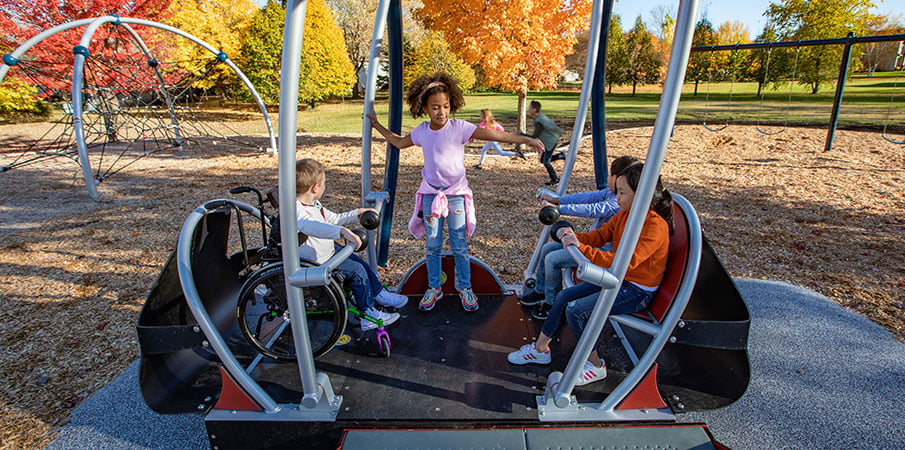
{"x":444,"y":150}
{"x":494,"y":125}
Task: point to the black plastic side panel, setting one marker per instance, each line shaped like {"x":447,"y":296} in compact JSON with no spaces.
{"x":181,"y":375}
{"x":707,"y":367}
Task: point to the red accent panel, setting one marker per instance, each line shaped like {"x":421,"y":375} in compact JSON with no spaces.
{"x":675,"y":266}
{"x":646,"y":394}
{"x":232,"y":397}
{"x":482,"y":280}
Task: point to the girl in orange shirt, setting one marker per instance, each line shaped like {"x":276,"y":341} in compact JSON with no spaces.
{"x":644,"y":274}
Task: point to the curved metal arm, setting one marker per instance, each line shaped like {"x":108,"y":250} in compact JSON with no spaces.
{"x":193,"y":299}
{"x":590,"y":272}
{"x":320,"y":275}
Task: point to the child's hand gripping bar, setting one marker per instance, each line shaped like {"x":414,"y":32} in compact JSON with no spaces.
{"x":320,"y":275}
{"x":587,"y":271}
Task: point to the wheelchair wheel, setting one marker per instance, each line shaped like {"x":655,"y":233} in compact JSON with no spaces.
{"x":263,"y":315}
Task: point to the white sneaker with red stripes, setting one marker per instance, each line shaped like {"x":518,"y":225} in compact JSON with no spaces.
{"x":591,"y":373}
{"x":528,"y":355}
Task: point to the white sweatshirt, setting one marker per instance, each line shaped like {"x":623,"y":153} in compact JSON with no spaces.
{"x":322,"y":227}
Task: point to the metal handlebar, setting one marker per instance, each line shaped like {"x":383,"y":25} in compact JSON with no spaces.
{"x":320,"y":275}
{"x":590,"y":272}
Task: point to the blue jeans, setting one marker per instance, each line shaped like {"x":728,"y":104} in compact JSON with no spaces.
{"x":577,"y":302}
{"x":496,"y":147}
{"x":455,"y":222}
{"x":362,"y":280}
{"x":545,"y":159}
{"x":548,"y":277}
{"x":630,"y":299}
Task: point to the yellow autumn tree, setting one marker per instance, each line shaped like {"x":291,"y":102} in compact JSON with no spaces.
{"x":520,"y":44}
{"x":326,"y":69}
{"x":221,"y":24}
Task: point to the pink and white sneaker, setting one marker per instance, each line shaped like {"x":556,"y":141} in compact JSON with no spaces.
{"x":528,"y":355}
{"x":591,"y":373}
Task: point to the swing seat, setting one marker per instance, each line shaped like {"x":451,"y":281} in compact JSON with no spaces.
{"x":699,"y":307}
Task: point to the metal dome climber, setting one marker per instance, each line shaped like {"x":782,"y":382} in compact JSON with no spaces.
{"x":124,"y":103}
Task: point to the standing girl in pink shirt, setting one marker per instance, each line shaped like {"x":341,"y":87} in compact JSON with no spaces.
{"x":444,"y":195}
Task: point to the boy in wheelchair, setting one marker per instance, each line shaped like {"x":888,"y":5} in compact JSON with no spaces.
{"x":323,"y":227}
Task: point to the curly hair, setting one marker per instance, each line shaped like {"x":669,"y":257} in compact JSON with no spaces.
{"x":661,"y":202}
{"x":424,"y":86}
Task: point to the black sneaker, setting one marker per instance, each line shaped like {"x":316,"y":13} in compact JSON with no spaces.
{"x":541,"y":311}
{"x":551,"y":183}
{"x":521,"y":154}
{"x":530,"y":299}
{"x":477,"y":166}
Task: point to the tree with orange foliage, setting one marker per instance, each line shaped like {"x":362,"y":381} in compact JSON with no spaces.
{"x":520,"y":44}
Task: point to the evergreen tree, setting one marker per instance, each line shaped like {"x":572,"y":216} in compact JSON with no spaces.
{"x":616,"y":55}
{"x":701,"y":63}
{"x":261,"y":50}
{"x":643,"y":65}
{"x":325,"y":67}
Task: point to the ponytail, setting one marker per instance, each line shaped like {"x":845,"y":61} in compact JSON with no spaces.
{"x":660,"y":202}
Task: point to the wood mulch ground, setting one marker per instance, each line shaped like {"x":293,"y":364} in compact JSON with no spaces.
{"x":74,"y":272}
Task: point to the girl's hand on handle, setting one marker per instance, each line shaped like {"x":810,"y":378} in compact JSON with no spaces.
{"x":567,"y":236}
{"x":363,"y":210}
{"x":372,"y":116}
{"x":546,"y":199}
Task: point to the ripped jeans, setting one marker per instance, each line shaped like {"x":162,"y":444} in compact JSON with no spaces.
{"x":455,"y":222}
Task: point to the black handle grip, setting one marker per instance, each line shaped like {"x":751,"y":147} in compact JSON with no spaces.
{"x":370,"y":220}
{"x":240,"y":190}
{"x":364,"y":239}
{"x":548,"y":215}
{"x":554,"y":230}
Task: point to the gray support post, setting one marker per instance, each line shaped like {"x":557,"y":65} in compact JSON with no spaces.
{"x":366,"y":132}
{"x":391,"y":170}
{"x":840,"y":87}
{"x":289,"y":96}
{"x":577,"y":129}
{"x":666,"y":115}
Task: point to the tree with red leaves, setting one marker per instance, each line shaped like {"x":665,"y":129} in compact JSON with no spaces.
{"x":23,"y":20}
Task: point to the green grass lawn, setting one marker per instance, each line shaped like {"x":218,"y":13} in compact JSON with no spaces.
{"x":866,"y":101}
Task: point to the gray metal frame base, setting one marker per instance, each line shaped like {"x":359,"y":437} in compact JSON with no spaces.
{"x":547,"y":411}
{"x":323,"y":412}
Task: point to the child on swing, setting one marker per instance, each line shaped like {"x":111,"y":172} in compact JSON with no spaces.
{"x":643,"y":277}
{"x":444,"y":195}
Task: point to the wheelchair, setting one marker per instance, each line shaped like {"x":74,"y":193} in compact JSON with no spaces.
{"x":262,"y":308}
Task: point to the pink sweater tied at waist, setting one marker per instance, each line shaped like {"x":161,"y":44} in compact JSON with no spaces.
{"x":440,"y":206}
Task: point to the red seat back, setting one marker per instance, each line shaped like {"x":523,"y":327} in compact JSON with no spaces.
{"x":675,"y":265}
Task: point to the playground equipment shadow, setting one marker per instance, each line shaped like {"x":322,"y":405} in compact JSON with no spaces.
{"x":821,"y":375}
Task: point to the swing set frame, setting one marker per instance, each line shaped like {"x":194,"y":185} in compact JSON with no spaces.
{"x":847,"y":42}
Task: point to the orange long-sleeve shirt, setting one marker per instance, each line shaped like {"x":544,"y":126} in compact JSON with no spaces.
{"x":649,"y":260}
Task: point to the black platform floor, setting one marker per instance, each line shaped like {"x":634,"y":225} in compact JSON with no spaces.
{"x":446,"y":365}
